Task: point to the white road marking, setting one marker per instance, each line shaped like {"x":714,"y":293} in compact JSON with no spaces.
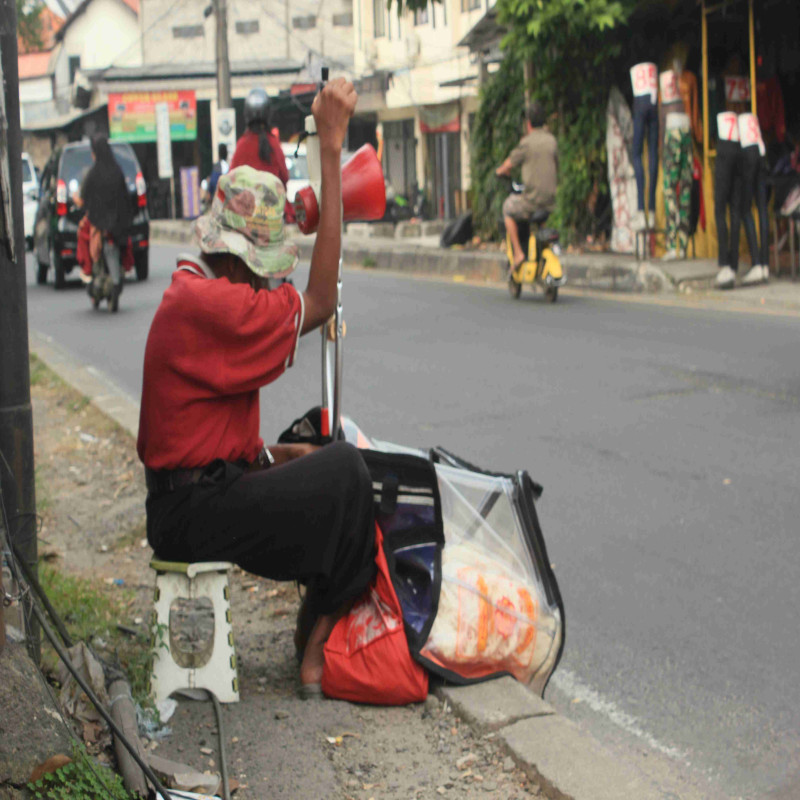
{"x":573,"y":687}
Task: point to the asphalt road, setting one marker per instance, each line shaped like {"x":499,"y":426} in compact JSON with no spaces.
{"x":667,"y":442}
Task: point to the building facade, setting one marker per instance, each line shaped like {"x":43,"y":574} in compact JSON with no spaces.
{"x":430,"y":97}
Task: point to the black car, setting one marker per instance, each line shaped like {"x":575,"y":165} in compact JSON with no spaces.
{"x":55,"y":237}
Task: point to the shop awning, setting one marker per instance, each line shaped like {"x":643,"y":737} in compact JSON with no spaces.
{"x":206,"y":69}
{"x":61,"y":121}
{"x":485,"y":34}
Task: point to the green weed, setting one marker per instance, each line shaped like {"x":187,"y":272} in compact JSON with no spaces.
{"x":82,"y":779}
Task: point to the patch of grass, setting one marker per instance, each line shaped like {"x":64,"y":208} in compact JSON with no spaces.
{"x":82,"y":778}
{"x":39,"y":372}
{"x":43,"y":501}
{"x":91,"y":611}
{"x":369,"y":262}
{"x":87,"y":610}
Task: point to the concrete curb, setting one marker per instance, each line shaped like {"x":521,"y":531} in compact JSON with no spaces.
{"x":568,"y":763}
{"x":603,"y":272}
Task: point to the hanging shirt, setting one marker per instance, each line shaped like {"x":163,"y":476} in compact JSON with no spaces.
{"x":211,"y":346}
{"x":771,"y":113}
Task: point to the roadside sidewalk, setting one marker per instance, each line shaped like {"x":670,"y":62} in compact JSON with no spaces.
{"x":514,"y":744}
{"x":414,"y":249}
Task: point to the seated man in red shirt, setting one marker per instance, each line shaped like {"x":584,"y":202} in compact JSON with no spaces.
{"x":287,"y":512}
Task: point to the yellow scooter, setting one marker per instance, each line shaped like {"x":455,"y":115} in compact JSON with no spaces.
{"x":541,"y":266}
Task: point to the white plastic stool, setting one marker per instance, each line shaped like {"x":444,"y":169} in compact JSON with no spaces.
{"x":175,"y":580}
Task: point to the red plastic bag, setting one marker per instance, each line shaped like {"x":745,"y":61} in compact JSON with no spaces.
{"x":367,"y":659}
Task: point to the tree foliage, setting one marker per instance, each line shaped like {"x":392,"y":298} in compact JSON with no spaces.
{"x":573,"y":47}
{"x":497,"y":128}
{"x":29,"y":24}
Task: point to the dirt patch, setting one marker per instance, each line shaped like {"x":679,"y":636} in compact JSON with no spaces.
{"x":91,"y":493}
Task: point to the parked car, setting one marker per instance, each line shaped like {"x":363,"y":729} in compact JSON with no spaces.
{"x":297,"y":166}
{"x":30,"y":197}
{"x":56,"y":228}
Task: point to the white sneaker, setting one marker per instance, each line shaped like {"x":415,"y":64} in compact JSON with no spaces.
{"x":639,"y":223}
{"x":765,"y":271}
{"x":651,"y":220}
{"x":670,"y":255}
{"x":725,"y":279}
{"x":755,"y":275}
{"x":84,"y":277}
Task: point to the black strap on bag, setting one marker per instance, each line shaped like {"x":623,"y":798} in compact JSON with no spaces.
{"x":408,"y":510}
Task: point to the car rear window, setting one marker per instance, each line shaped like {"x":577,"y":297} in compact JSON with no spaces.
{"x":76,"y":161}
{"x":27,"y":172}
{"x":297,"y":167}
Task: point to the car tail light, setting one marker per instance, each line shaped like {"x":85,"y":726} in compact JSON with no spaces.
{"x":141,"y":190}
{"x":61,"y":198}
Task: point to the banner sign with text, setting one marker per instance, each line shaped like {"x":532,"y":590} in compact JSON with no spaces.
{"x":132,"y":115}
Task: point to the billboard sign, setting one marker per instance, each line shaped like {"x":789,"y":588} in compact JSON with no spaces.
{"x":132,"y":115}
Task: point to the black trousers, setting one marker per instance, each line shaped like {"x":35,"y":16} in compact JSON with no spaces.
{"x":754,"y":186}
{"x":728,"y":193}
{"x":310,"y":520}
{"x":645,"y":126}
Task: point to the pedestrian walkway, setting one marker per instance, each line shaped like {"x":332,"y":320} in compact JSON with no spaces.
{"x":415,"y":249}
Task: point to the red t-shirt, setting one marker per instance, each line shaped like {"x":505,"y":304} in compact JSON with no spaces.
{"x":246,"y":154}
{"x":211,"y":346}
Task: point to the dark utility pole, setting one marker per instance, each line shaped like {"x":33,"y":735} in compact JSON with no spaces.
{"x":16,"y":421}
{"x":223,"y":64}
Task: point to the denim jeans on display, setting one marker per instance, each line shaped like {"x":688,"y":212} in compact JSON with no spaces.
{"x":645,"y":124}
{"x":728,"y":193}
{"x":754,"y":186}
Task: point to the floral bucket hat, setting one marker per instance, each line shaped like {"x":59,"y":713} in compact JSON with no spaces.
{"x":246,"y":219}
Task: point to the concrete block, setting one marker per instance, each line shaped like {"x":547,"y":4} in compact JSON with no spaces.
{"x":570,"y":764}
{"x":370,"y":230}
{"x":408,"y":230}
{"x":433,"y":227}
{"x":359,"y":229}
{"x":495,"y":704}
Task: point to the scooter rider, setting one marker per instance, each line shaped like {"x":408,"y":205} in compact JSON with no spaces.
{"x":104,"y":196}
{"x":537,"y":154}
{"x":287,"y":512}
{"x":258,"y":147}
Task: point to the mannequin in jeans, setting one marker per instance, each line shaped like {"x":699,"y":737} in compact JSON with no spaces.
{"x":644,"y":80}
{"x":754,"y":186}
{"x":728,"y":194}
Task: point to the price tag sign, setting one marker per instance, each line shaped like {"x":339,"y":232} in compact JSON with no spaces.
{"x":644,"y":79}
{"x":737,"y":89}
{"x":668,"y":81}
{"x":728,"y":126}
{"x":750,"y":132}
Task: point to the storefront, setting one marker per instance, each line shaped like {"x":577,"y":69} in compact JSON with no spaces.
{"x":746,"y":44}
{"x":714,"y":61}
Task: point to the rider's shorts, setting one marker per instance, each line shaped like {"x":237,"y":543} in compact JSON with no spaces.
{"x":517,"y":207}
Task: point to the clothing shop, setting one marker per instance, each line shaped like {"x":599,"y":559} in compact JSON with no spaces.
{"x":712,"y":163}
